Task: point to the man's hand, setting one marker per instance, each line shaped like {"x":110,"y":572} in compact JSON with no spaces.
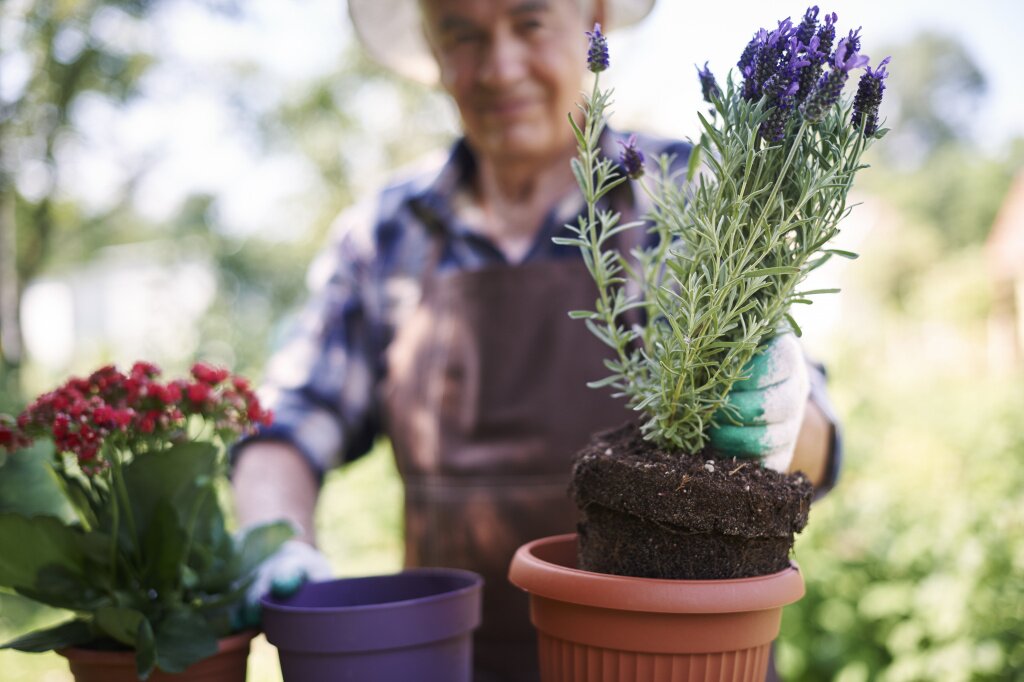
{"x":281,"y":575}
{"x":767,"y":408}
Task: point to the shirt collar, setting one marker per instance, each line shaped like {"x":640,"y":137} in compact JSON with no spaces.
{"x":436,"y":199}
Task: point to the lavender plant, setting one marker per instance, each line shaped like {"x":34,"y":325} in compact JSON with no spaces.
{"x":735,"y":233}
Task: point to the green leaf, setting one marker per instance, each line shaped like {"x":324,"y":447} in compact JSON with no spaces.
{"x":792,"y":323}
{"x":163,"y":550}
{"x":579,"y":173}
{"x":582,"y":315}
{"x":580,"y":138}
{"x":30,"y":544}
{"x":120,"y":622}
{"x":601,"y":383}
{"x":812,"y":292}
{"x":145,"y":650}
{"x":68,"y":633}
{"x":183,"y":638}
{"x":694,"y":163}
{"x":180,"y":475}
{"x":768,"y":272}
{"x":260,"y":542}
{"x":29,"y":486}
{"x":843,"y":254}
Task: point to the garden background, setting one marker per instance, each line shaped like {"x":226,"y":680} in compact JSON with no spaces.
{"x":169,"y":167}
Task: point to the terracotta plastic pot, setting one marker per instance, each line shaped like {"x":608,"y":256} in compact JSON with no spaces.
{"x":414,"y":625}
{"x":594,"y":626}
{"x":227,"y":665}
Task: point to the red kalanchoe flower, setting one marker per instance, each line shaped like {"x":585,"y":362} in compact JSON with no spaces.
{"x":198,"y":392}
{"x":209,"y":375}
{"x":145,"y":369}
{"x":11,"y":437}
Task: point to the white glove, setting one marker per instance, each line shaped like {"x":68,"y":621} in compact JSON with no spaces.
{"x":281,"y":575}
{"x":768,"y":406}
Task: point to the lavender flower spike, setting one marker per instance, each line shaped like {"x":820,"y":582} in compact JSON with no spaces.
{"x":597,"y":53}
{"x":808,"y":25}
{"x":869,"y":96}
{"x":631,"y":158}
{"x":827,"y":32}
{"x":708,"y":85}
{"x":830,"y":86}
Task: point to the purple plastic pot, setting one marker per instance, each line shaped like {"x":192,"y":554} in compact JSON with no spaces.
{"x":414,"y":625}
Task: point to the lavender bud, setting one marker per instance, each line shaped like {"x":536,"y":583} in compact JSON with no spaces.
{"x":869,"y":96}
{"x":708,"y":85}
{"x":631,"y":158}
{"x":808,"y":75}
{"x":783,"y":100}
{"x":827,"y":33}
{"x":747,"y":58}
{"x":852,"y":43}
{"x":780,"y":94}
{"x":830,"y":86}
{"x":597,"y":53}
{"x":808,"y":26}
{"x":766,"y":60}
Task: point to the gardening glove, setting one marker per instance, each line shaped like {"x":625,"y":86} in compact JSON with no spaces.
{"x":281,"y":575}
{"x":767,"y":407}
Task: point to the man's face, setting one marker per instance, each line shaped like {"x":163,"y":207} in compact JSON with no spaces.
{"x":514,"y":69}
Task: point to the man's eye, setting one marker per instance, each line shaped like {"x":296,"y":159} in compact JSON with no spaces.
{"x":465,"y":38}
{"x":529,"y":25}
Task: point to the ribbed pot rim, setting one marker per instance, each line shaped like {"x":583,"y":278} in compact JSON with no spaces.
{"x":546,"y":567}
{"x":233,"y":642}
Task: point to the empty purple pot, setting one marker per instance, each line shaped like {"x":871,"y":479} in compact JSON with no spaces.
{"x":414,"y":625}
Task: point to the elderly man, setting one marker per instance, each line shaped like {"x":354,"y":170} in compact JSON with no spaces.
{"x":439,"y":317}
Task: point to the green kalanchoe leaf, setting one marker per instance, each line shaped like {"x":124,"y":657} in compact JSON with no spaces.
{"x":145,"y":650}
{"x":163,"y":551}
{"x":120,"y":623}
{"x":52,"y":542}
{"x":183,"y":638}
{"x":69,"y":633}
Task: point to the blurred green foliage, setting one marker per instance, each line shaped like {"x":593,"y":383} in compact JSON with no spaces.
{"x":915,"y":564}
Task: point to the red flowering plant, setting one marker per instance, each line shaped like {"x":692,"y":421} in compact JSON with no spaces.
{"x":146,"y":562}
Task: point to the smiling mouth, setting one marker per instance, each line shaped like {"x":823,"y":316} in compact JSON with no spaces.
{"x":507,"y":108}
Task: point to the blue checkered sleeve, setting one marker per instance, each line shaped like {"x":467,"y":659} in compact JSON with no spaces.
{"x":320,"y":382}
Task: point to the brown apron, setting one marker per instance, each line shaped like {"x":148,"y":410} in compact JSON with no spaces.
{"x":486,"y":403}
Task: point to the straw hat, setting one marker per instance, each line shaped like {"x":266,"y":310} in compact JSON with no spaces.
{"x":391,"y":32}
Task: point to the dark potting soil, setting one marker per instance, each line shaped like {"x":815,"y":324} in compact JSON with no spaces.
{"x":651,"y":513}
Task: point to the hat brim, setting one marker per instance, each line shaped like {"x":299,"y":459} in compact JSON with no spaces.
{"x":392,"y":34}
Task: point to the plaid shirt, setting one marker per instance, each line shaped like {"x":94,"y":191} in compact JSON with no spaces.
{"x":323,"y":383}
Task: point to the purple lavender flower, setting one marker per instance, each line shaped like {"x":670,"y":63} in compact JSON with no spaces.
{"x":773,"y":128}
{"x":597,"y":54}
{"x":747,"y":63}
{"x":827,"y":33}
{"x":768,"y":54}
{"x":808,"y":26}
{"x":631,"y":158}
{"x":830,"y":86}
{"x":809,"y":74}
{"x":708,"y":85}
{"x":747,"y":58}
{"x":852,"y":43}
{"x":780,"y":93}
{"x":869,"y":96}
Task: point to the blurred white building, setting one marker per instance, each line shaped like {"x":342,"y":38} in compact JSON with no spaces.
{"x":131,"y":302}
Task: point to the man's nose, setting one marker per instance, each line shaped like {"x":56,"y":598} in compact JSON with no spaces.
{"x":504,"y":62}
